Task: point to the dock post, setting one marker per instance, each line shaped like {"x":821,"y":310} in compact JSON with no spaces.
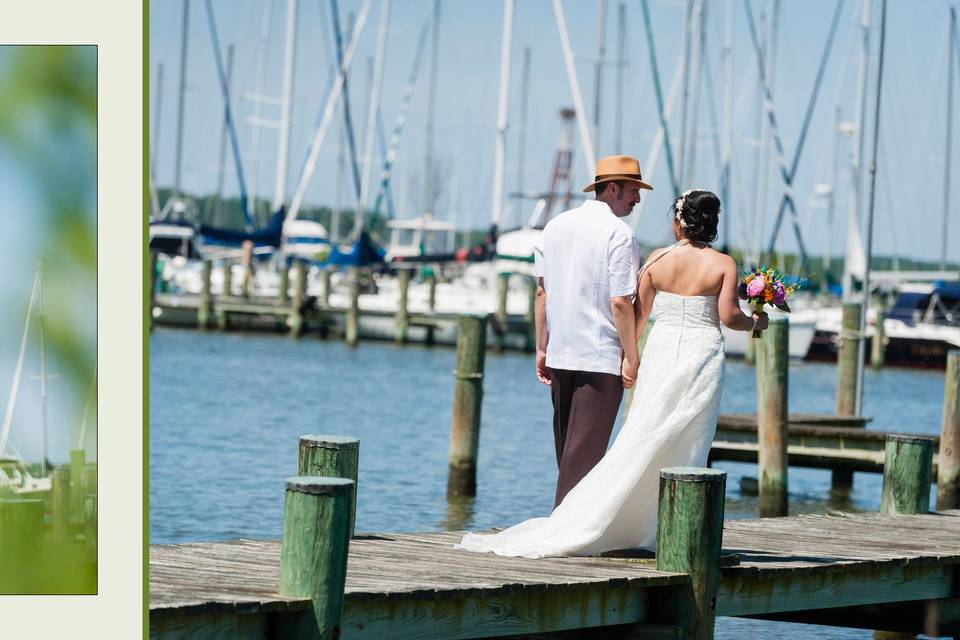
{"x":531,"y":344}
{"x":60,"y":488}
{"x":313,"y":556}
{"x":90,"y":525}
{"x":878,"y":343}
{"x":327,"y":277}
{"x":402,"y":320}
{"x":204,"y":311}
{"x":227,"y":279}
{"x":842,"y":480}
{"x":948,"y":471}
{"x":246,"y":261}
{"x":689,"y":535}
{"x":772,"y":386}
{"x":431,"y":303}
{"x":467,"y":402}
{"x":21,"y":529}
{"x":907,"y":474}
{"x":283,"y":295}
{"x":352,"y":331}
{"x":503,"y":286}
{"x":299,"y":294}
{"x":77,"y":467}
{"x":331,"y":457}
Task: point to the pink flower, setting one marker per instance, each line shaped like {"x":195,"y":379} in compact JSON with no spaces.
{"x":755,"y":287}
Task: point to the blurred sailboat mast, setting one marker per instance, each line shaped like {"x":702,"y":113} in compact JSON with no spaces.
{"x":500,"y":150}
{"x":598,"y":68}
{"x":155,"y":146}
{"x":946,"y":168}
{"x":286,"y":108}
{"x":725,"y":177}
{"x":178,"y":159}
{"x":621,"y":63}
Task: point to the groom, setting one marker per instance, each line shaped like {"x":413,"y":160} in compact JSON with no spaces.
{"x":586,"y":261}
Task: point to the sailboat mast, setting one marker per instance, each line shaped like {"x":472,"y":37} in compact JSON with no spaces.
{"x":872,"y":169}
{"x":218,"y":212}
{"x":522,"y":133}
{"x":266,"y":21}
{"x":598,"y":68}
{"x":831,"y":203}
{"x":684,"y":92}
{"x":41,"y":317}
{"x":373,"y":109}
{"x":698,"y":32}
{"x":155,"y":146}
{"x":499,"y":163}
{"x":853,"y":215}
{"x":18,"y":370}
{"x":726,"y":178}
{"x":586,"y":143}
{"x":621,"y":63}
{"x":949,"y":154}
{"x":178,"y":159}
{"x":286,"y":109}
{"x":428,"y":184}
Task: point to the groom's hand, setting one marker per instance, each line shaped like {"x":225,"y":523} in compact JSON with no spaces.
{"x":543,"y":373}
{"x":628,"y":372}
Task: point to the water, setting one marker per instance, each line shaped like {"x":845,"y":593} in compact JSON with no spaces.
{"x":227,"y":410}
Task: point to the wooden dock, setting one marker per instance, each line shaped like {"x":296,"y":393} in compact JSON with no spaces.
{"x":417,"y":586}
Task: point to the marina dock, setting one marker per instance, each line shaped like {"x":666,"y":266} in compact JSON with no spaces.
{"x":405,"y":585}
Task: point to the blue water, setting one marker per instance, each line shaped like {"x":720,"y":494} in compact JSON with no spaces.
{"x":226,"y":412}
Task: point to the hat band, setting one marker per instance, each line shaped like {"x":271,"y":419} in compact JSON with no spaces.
{"x":625,"y":176}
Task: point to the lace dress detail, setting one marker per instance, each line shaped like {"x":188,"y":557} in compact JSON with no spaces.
{"x":671,"y":422}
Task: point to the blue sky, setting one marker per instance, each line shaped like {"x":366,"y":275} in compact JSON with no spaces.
{"x":910,"y":171}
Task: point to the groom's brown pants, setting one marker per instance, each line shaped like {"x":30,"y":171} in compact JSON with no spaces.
{"x":585,"y":405}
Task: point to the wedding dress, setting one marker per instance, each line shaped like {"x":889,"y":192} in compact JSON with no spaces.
{"x":671,"y":423}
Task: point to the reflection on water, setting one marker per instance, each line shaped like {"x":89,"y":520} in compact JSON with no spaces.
{"x":459,"y":513}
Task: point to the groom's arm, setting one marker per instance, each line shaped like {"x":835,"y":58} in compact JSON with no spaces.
{"x":543,"y":336}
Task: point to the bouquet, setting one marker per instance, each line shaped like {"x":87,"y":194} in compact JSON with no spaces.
{"x":761,"y":285}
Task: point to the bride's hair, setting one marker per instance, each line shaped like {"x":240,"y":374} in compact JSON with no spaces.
{"x":698,"y":212}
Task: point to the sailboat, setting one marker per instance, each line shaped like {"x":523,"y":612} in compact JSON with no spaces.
{"x":15,"y":475}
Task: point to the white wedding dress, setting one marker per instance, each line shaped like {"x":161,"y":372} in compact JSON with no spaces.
{"x":671,"y":423}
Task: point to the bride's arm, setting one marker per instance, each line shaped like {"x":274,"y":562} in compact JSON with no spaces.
{"x":729,"y":301}
{"x":644,"y":301}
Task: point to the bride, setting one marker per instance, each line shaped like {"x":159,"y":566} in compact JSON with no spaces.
{"x":689,"y":289}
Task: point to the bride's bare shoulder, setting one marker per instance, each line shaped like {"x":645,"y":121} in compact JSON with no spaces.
{"x":721,"y":259}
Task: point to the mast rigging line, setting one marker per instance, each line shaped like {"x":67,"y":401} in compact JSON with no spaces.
{"x":228,"y":116}
{"x":18,"y":370}
{"x":788,"y":176}
{"x":658,"y":91}
{"x":321,"y":131}
{"x":347,"y":119}
{"x":401,"y":120}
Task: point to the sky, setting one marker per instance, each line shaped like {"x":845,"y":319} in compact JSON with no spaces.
{"x":910,"y":170}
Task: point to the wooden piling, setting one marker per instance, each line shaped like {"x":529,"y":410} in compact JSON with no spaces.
{"x":299,"y":295}
{"x":227,"y":279}
{"x":327,"y":277}
{"x":431,"y":303}
{"x":402,"y":321}
{"x":205,"y":310}
{"x":246,"y":261}
{"x":503,"y":286}
{"x":689,"y":535}
{"x":907,"y":474}
{"x":21,"y":532}
{"x":948,"y":468}
{"x":283,"y":295}
{"x":878,"y":343}
{"x":313,"y":556}
{"x":467,"y":402}
{"x":331,"y":457}
{"x":60,"y":495}
{"x":772,"y":387}
{"x":352,"y":331}
{"x":842,"y":480}
{"x":90,"y":525}
{"x":750,"y":351}
{"x":77,"y":490}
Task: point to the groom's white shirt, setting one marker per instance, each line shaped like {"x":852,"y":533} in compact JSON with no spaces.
{"x":586,"y":256}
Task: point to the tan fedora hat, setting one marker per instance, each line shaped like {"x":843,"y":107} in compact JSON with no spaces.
{"x":617,"y":168}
